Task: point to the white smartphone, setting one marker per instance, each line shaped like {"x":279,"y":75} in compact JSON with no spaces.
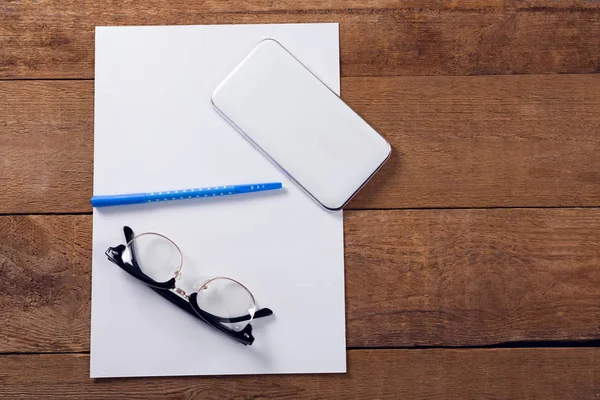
{"x":300,"y":124}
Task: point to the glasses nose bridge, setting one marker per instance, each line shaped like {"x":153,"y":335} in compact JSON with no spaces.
{"x":182,"y":293}
{"x":178,"y":275}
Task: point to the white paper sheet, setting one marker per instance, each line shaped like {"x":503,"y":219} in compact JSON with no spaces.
{"x":156,"y":129}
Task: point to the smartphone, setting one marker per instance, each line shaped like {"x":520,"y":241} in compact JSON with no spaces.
{"x":302,"y":126}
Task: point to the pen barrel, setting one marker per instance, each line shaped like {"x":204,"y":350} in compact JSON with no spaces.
{"x":189,"y":193}
{"x":257,"y":187}
{"x":118,"y":200}
{"x":207,"y":192}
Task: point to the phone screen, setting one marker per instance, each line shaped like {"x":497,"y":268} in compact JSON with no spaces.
{"x":300,"y":124}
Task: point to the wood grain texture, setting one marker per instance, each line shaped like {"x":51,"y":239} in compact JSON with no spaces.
{"x":46,"y":145}
{"x":295,"y":6}
{"x":493,"y":141}
{"x":413,"y":278}
{"x":378,"y":374}
{"x":539,"y":5}
{"x":56,"y":39}
{"x":45,"y":283}
{"x":472,"y":277}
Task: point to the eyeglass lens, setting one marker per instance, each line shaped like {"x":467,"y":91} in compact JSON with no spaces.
{"x":228,"y":300}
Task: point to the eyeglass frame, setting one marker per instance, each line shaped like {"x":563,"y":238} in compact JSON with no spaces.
{"x":177,"y":296}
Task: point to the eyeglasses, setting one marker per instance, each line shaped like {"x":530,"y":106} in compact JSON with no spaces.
{"x":221,"y":302}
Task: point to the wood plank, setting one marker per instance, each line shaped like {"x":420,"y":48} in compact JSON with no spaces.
{"x":46,"y":146}
{"x":291,"y":6}
{"x":413,"y":278}
{"x":494,"y":141}
{"x":391,"y":374}
{"x":539,"y":5}
{"x":45,"y":281}
{"x":57,"y":40}
{"x":472,"y":277}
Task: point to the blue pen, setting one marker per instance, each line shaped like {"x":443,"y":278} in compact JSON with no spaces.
{"x":213,"y":191}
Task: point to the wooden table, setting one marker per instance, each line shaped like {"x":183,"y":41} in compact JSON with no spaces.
{"x":472,"y":259}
